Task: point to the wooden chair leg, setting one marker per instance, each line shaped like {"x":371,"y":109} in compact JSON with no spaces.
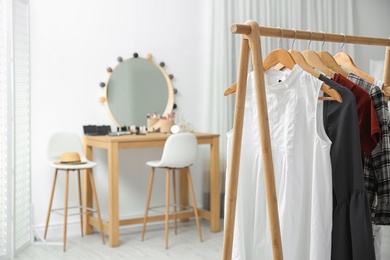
{"x":174,"y":199}
{"x":166,"y":207}
{"x":66,"y":207}
{"x":148,"y":202}
{"x":96,"y":203}
{"x":80,"y":203}
{"x":194,"y":203}
{"x":51,"y":202}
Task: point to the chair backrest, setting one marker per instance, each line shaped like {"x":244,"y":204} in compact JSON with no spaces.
{"x":62,"y":142}
{"x":179,"y":150}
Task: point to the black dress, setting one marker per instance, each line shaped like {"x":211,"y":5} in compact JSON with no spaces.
{"x":352,"y":231}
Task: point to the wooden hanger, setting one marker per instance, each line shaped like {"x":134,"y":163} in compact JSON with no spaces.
{"x":292,"y":57}
{"x":289,"y":59}
{"x":301,"y":61}
{"x":329,"y":61}
{"x":279,"y":55}
{"x":274,"y":57}
{"x":230,"y":90}
{"x":386,"y":90}
{"x":314,"y":59}
{"x":346,"y":61}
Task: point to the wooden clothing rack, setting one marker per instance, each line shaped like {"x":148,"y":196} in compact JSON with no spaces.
{"x":251,"y":41}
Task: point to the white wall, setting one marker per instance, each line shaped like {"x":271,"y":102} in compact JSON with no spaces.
{"x":72,"y":44}
{"x":371,"y":19}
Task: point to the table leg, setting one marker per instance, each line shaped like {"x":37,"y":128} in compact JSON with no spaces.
{"x":215,"y":197}
{"x":113,"y":197}
{"x":87,"y":193}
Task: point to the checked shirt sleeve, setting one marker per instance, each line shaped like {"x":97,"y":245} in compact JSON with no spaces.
{"x":377,"y":164}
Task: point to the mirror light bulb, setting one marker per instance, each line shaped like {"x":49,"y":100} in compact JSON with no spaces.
{"x":175,"y":129}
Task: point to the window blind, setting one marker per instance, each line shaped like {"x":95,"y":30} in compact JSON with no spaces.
{"x":15,"y":139}
{"x":4,"y":183}
{"x":22,"y":143}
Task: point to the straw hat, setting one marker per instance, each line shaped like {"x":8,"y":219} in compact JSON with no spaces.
{"x":70,"y":158}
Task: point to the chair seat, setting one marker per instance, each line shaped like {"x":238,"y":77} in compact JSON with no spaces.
{"x":81,"y":166}
{"x":160,"y":164}
{"x":154,"y":163}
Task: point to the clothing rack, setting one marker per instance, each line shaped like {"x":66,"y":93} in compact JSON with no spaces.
{"x":251,"y":41}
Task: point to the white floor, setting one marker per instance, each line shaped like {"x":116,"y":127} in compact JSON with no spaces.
{"x":185,"y":245}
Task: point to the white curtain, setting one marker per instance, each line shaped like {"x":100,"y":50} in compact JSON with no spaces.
{"x":330,"y":16}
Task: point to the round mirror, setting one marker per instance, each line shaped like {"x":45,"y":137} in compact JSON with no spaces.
{"x":135,"y":88}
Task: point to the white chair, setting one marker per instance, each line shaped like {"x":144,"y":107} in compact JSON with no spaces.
{"x":179,"y":153}
{"x":60,"y":145}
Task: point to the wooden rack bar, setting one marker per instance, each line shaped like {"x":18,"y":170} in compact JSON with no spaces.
{"x":307,"y":35}
{"x":251,"y":42}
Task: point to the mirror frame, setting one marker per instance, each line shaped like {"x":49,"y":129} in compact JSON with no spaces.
{"x":170,"y":102}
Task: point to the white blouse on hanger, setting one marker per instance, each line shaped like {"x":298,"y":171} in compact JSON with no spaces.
{"x":302,"y":168}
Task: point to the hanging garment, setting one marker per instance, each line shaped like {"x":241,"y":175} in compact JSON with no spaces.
{"x":369,"y":130}
{"x":377,"y":229}
{"x":377,"y":164}
{"x":301,"y":160}
{"x":351,"y":231}
{"x":377,"y":235}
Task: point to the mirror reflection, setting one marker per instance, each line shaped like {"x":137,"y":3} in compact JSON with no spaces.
{"x":136,"y":87}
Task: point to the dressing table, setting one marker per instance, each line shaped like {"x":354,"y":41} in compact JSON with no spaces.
{"x":115,"y":143}
{"x":134,"y":88}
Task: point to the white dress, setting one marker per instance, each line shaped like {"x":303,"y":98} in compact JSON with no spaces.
{"x":302,"y":168}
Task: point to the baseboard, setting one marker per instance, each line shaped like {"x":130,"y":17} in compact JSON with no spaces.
{"x":56,"y":231}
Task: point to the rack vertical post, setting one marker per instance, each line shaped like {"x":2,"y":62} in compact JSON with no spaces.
{"x":253,"y":39}
{"x":250,"y":42}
